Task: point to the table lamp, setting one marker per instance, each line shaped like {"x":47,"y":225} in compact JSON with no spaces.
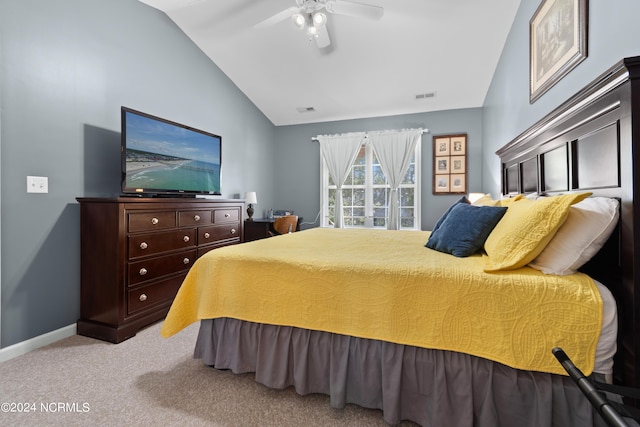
{"x":251,"y":199}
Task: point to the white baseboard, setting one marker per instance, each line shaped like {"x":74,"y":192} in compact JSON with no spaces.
{"x":25,"y":347}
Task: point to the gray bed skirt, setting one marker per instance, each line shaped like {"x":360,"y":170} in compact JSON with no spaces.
{"x":429,"y":387}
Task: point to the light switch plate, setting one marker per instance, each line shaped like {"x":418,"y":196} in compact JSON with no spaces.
{"x":37,"y":184}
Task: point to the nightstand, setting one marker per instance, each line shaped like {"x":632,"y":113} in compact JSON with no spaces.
{"x":257,"y":228}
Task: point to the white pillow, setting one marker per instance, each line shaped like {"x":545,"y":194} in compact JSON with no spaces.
{"x":587,"y":228}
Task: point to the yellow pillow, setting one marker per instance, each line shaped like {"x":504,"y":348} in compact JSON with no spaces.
{"x":525,"y":229}
{"x":486,"y":200}
{"x":507,"y":202}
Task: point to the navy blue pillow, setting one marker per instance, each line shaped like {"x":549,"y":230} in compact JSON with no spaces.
{"x":462,"y":199}
{"x":465,"y":229}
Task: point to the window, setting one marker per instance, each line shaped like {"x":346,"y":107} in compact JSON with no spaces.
{"x":365,"y":194}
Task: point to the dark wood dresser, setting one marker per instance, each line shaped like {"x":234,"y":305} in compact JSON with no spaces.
{"x":136,"y":252}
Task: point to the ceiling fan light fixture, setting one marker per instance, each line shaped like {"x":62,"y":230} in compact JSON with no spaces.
{"x":319,"y":19}
{"x":299,"y":20}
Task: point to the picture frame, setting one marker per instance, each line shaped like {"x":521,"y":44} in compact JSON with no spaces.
{"x":442,"y":165}
{"x":450,"y":164}
{"x":441,"y":147}
{"x":457,"y":183}
{"x":441,"y":184}
{"x":458,"y":164}
{"x":557,"y":42}
{"x":458,"y":145}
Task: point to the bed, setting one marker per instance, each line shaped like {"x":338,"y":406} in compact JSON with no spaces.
{"x":473,"y":347}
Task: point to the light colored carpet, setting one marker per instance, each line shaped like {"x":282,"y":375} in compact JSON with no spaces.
{"x":148,"y":380}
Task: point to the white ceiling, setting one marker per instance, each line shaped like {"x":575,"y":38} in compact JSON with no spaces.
{"x":372,"y":68}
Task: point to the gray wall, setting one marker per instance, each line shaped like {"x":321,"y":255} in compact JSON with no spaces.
{"x":66,"y":67}
{"x":297,"y":165}
{"x":613,"y":34}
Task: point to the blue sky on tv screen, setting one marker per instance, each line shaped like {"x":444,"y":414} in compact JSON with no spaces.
{"x":154,"y":136}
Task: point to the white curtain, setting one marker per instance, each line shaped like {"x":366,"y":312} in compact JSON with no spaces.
{"x":394,"y":150}
{"x":339,"y":152}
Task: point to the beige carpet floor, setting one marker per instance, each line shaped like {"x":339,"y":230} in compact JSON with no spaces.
{"x":151,"y":381}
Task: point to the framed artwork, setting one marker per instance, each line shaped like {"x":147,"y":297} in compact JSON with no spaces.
{"x":458,"y":145}
{"x":441,"y":184}
{"x":442,"y":165}
{"x":458,"y":183}
{"x":557,"y":42}
{"x":450,"y":164}
{"x":458,"y":164}
{"x":441,"y":147}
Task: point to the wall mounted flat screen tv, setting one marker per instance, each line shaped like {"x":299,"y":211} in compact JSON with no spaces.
{"x":164,"y":158}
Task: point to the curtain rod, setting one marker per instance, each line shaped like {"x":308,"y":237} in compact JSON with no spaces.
{"x":422,"y":131}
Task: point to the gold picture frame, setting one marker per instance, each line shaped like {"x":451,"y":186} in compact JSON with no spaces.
{"x":450,"y":164}
{"x":557,"y":42}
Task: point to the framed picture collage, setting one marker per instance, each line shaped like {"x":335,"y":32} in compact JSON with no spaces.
{"x":450,"y":164}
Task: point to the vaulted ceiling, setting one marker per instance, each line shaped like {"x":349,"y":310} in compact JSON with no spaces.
{"x":422,"y":55}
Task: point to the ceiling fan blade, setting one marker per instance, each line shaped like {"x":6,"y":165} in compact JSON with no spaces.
{"x":359,"y":10}
{"x":280,"y":16}
{"x":322,"y":38}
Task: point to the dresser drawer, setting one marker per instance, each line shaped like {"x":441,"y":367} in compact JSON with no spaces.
{"x":145,"y":221}
{"x":189,"y":218}
{"x":215,"y":233}
{"x":154,"y":243}
{"x":153,"y":268}
{"x":226,"y":215}
{"x":157,"y":293}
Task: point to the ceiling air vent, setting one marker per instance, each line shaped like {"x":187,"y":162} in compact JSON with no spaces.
{"x":305,"y":110}
{"x":426,"y":95}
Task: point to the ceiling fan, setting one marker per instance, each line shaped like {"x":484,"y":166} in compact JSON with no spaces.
{"x":309,"y":15}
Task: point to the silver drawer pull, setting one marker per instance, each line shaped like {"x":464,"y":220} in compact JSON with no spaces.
{"x":144,"y":245}
{"x":143,"y":271}
{"x":186,"y":261}
{"x":154,"y":221}
{"x":227,"y":215}
{"x":196,"y":217}
{"x":186,"y":239}
{"x":233,"y":231}
{"x":143,"y":297}
{"x":207,"y":235}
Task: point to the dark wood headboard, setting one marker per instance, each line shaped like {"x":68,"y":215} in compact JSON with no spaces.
{"x":588,"y":144}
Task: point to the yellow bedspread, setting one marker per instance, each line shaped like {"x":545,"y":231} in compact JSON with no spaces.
{"x":386,"y":285}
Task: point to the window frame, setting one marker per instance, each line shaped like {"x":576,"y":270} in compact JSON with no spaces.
{"x":369,"y":187}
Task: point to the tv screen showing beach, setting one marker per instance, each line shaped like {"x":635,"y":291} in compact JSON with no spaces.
{"x":162,"y":156}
